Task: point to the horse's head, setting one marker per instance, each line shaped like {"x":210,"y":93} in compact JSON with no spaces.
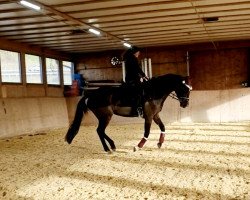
{"x":182,"y":92}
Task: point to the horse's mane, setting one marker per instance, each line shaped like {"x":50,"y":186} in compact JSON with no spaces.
{"x":167,"y":78}
{"x":162,"y":85}
{"x":156,"y":87}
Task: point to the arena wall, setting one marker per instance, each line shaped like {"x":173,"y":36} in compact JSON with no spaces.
{"x":217,"y":106}
{"x":216,"y":77}
{"x":19,"y":116}
{"x":31,"y":108}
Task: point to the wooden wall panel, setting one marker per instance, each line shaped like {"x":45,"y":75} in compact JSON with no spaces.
{"x":97,"y":66}
{"x":165,"y":60}
{"x":221,"y":69}
{"x":210,"y":69}
{"x":113,"y":74}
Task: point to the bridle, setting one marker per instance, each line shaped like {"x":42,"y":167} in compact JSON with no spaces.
{"x":181,"y":99}
{"x":173,"y":96}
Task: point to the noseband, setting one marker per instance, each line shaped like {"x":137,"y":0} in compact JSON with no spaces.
{"x":181,"y":99}
{"x":174,"y":96}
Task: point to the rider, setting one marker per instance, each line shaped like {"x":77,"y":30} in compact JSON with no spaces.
{"x":134,"y":75}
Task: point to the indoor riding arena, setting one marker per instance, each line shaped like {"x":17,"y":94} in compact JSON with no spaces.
{"x":57,"y":59}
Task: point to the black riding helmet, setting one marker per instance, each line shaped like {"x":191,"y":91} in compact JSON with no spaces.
{"x":132,"y":50}
{"x":135,"y":49}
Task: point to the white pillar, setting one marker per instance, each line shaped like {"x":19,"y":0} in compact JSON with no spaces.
{"x":149,"y":68}
{"x":123,"y":71}
{"x":142,"y":65}
{"x":146,"y":66}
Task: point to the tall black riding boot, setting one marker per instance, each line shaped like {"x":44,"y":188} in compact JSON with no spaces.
{"x":139,"y":106}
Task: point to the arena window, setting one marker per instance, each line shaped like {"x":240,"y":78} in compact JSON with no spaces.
{"x":10,"y":66}
{"x":68,"y":71}
{"x":52,"y":71}
{"x":33,"y":69}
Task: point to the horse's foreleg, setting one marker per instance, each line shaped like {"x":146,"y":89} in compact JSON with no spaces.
{"x":147,"y":126}
{"x":158,"y":121}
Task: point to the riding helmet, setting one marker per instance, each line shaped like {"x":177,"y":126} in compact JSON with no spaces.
{"x":135,"y":49}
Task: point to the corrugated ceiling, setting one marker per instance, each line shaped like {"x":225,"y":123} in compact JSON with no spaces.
{"x":63,"y":25}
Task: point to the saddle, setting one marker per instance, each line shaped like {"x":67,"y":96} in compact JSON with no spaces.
{"x":124,"y":96}
{"x":131,"y":96}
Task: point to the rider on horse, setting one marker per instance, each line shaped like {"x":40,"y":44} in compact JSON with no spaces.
{"x":134,"y":77}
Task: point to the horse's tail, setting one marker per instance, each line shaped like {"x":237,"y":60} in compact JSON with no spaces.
{"x":74,"y":127}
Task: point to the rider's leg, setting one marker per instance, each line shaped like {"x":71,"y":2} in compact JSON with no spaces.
{"x":140,"y":100}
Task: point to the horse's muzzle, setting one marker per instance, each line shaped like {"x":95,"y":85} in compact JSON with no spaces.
{"x":184,"y":103}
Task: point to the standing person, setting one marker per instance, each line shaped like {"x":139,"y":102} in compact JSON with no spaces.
{"x":134,"y":76}
{"x":81,"y":83}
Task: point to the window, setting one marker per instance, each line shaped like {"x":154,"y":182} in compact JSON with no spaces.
{"x":10,"y":66}
{"x":33,"y":69}
{"x":52,"y":71}
{"x":68,"y":69}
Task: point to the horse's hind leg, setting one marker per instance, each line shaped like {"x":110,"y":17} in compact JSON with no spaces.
{"x":110,"y":141}
{"x":104,"y":117}
{"x":103,"y":123}
{"x":158,"y":121}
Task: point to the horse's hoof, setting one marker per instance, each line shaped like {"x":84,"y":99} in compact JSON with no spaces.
{"x":109,"y":152}
{"x":159,"y":145}
{"x":136,"y":148}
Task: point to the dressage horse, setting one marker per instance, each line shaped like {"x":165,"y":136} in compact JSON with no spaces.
{"x":106,"y":101}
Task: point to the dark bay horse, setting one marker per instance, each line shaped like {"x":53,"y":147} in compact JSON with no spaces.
{"x":106,"y":101}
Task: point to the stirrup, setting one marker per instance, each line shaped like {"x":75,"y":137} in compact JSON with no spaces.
{"x":140,"y":111}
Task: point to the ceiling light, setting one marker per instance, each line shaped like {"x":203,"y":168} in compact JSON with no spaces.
{"x":92,"y":20}
{"x":127,"y":44}
{"x":96,"y":32}
{"x":30,"y":5}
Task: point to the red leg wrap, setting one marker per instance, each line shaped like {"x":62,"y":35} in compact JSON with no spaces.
{"x":142,"y":142}
{"x":161,"y":139}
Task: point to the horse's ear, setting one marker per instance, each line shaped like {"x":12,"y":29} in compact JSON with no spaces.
{"x":186,"y":81}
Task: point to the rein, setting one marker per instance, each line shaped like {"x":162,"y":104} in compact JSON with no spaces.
{"x":174,"y":96}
